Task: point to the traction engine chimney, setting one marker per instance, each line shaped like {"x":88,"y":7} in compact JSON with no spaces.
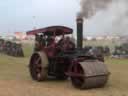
{"x":79,"y":22}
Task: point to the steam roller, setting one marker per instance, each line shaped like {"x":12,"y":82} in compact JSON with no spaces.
{"x":64,"y":59}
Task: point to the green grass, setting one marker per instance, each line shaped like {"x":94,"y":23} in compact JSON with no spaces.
{"x":116,"y":61}
{"x":109,"y":43}
{"x":13,"y":68}
{"x":15,"y":79}
{"x":28,"y":49}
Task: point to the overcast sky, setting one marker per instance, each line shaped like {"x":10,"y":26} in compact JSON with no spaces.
{"x":23,"y":15}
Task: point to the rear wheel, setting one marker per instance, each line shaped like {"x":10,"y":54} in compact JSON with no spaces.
{"x":37,"y":71}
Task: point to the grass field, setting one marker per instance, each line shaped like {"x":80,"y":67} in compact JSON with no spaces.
{"x":15,"y":80}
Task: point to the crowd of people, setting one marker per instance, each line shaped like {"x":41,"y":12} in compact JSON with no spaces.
{"x":11,"y":48}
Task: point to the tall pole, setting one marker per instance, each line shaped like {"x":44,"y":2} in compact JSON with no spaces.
{"x":34,"y":22}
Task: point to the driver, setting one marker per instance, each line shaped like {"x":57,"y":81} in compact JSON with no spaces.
{"x":66,"y":44}
{"x":50,"y":40}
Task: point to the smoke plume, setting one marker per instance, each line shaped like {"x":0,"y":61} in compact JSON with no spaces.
{"x":105,"y":17}
{"x":90,"y":7}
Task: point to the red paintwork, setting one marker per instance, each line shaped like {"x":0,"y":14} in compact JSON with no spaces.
{"x":74,"y":70}
{"x":52,"y":30}
{"x":52,"y":49}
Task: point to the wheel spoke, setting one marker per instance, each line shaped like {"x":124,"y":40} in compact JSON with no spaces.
{"x":38,"y":66}
{"x":38,"y":60}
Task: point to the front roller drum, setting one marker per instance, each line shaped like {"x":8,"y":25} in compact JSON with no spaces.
{"x":90,"y":74}
{"x":37,"y":71}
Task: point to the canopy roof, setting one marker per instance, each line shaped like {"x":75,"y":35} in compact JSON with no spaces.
{"x":52,"y":30}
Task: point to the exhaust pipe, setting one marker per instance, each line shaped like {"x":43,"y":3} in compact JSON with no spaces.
{"x":79,"y":22}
